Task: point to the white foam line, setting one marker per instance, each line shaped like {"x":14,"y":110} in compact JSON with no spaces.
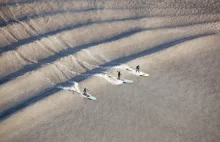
{"x":104,"y":76}
{"x":130,"y":70}
{"x":123,"y":67}
{"x":66,"y":88}
{"x":113,"y":81}
{"x":74,"y":87}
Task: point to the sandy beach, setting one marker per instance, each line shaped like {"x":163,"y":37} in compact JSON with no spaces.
{"x":50,"y":50}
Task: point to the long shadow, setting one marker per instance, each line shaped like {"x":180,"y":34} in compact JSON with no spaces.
{"x":50,"y":13}
{"x":47,"y":92}
{"x":73,"y":50}
{"x":87,"y":22}
{"x":53,"y":12}
{"x":66,"y":52}
{"x":4,"y":23}
{"x":21,"y":42}
{"x":29,"y":1}
{"x":71,"y":27}
{"x":21,"y":2}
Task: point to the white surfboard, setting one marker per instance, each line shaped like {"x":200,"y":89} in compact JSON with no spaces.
{"x":144,"y":74}
{"x":127,"y":81}
{"x":137,"y":73}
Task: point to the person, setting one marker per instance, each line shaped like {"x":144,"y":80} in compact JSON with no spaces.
{"x":138,"y":68}
{"x":85,"y":92}
{"x":119,"y":75}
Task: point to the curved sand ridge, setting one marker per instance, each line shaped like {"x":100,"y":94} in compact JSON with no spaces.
{"x":50,"y":44}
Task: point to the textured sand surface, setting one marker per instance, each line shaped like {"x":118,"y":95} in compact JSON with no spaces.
{"x":47,"y":47}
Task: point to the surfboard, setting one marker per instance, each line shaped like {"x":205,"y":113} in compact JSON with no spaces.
{"x":133,"y":71}
{"x":90,"y":97}
{"x":144,"y":74}
{"x":127,"y":81}
{"x":123,"y":80}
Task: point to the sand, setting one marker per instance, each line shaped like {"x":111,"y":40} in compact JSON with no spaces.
{"x":47,"y":46}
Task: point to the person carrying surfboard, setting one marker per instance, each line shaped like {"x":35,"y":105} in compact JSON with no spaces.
{"x":119,"y":75}
{"x":138,"y":68}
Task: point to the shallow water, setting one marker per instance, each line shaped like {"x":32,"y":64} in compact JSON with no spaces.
{"x":49,"y":47}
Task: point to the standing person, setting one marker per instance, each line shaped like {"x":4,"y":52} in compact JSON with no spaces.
{"x":138,"y":68}
{"x":119,"y":75}
{"x":85,"y":91}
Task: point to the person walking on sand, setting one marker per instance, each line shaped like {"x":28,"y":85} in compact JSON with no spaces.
{"x":119,"y":75}
{"x":138,"y":68}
